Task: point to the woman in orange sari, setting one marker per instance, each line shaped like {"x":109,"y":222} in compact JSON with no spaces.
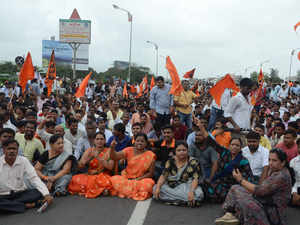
{"x":136,"y":179}
{"x":97,"y":181}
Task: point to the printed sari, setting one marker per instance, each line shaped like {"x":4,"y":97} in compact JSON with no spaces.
{"x":91,"y":186}
{"x":126,"y":185}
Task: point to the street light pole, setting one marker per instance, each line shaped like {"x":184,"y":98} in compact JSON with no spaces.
{"x":156,"y":48}
{"x":130,"y":41}
{"x":291,"y":61}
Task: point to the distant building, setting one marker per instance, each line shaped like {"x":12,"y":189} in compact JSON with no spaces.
{"x":121,"y":65}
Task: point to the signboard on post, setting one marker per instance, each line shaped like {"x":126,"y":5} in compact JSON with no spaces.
{"x":75,"y":31}
{"x":64,"y":54}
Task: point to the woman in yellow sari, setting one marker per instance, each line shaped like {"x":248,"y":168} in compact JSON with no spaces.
{"x":97,"y":181}
{"x":136,"y":179}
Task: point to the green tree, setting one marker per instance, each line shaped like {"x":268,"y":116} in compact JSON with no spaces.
{"x":274,"y":76}
{"x":9,"y":68}
{"x":254,"y":76}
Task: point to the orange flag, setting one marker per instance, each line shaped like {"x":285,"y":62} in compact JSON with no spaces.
{"x":51,"y":73}
{"x":125,"y":93}
{"x":152,"y":84}
{"x":260,"y":76}
{"x":295,"y":27}
{"x":132,"y":89}
{"x":217,"y":91}
{"x":81,"y":90}
{"x":176,"y":88}
{"x":189,"y":74}
{"x":26,"y":73}
{"x":143,"y":87}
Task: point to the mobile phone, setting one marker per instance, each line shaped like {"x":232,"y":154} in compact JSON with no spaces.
{"x":298,"y":190}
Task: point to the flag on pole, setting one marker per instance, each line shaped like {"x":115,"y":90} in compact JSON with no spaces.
{"x":189,"y":74}
{"x":296,"y":26}
{"x":81,"y":90}
{"x":260,"y":76}
{"x":51,"y":73}
{"x":143,"y":87}
{"x":152,"y":84}
{"x":217,"y":91}
{"x":125,"y":93}
{"x":176,"y":88}
{"x":132,"y":89}
{"x":26,"y":73}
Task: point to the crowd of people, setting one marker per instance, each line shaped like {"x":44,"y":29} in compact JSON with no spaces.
{"x":181,"y":150}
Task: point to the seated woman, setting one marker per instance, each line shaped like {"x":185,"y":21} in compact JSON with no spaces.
{"x":97,"y":181}
{"x":295,"y":165}
{"x":178,"y":183}
{"x":222,"y":137}
{"x":135,"y":181}
{"x":262,"y":204}
{"x":229,"y":159}
{"x":54,"y":166}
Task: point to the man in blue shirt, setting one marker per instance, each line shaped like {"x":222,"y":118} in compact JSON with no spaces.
{"x":122,"y":140}
{"x":161,"y":102}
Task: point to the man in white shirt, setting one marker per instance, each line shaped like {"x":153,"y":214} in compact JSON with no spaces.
{"x":102,"y":126}
{"x":73,"y":133}
{"x":238,"y":111}
{"x":257,"y":156}
{"x":14,"y":195}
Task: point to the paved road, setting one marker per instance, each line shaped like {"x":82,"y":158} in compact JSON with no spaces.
{"x":74,"y":210}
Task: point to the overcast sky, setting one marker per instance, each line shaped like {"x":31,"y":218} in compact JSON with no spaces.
{"x":215,"y":36}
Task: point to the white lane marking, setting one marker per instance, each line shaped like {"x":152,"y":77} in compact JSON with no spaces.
{"x":139,"y":213}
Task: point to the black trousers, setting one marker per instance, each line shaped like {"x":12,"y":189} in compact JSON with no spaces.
{"x":163,"y":119}
{"x":15,"y":202}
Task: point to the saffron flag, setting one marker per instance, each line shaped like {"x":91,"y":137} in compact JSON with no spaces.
{"x":143,"y":87}
{"x":260,"y":76}
{"x":176,"y":88}
{"x":132,"y":89}
{"x":26,"y":73}
{"x":295,"y":27}
{"x":51,"y":73}
{"x":189,"y":74}
{"x":125,"y":93}
{"x":81,"y":90}
{"x":152,"y":84}
{"x":217,"y":91}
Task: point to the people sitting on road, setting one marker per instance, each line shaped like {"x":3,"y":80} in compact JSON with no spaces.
{"x":257,"y":155}
{"x":135,"y":180}
{"x":289,"y":145}
{"x":229,"y":159}
{"x":295,"y":165}
{"x":264,"y":141}
{"x":54,"y":166}
{"x":265,"y":203}
{"x":100,"y":167}
{"x":180,"y":130}
{"x":205,"y":154}
{"x":178,"y":183}
{"x":136,"y":128}
{"x":86,"y":141}
{"x":7,"y":134}
{"x":164,"y":149}
{"x":222,"y":137}
{"x":15,"y":196}
{"x":32,"y":147}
